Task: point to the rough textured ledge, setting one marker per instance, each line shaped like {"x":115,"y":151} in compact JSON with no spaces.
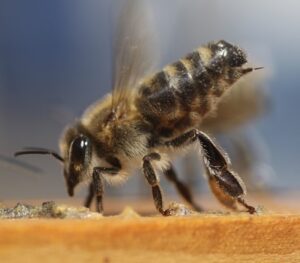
{"x":200,"y":238}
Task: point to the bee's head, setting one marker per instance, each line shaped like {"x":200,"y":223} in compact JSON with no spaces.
{"x":76,"y":155}
{"x":76,"y":149}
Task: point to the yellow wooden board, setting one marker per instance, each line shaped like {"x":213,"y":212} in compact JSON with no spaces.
{"x":201,"y":238}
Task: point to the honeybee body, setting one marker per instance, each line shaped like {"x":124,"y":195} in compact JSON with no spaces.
{"x":163,"y":106}
{"x":146,"y":119}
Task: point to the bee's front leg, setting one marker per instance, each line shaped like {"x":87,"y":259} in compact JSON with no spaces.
{"x":88,"y":200}
{"x":98,"y":184}
{"x":153,"y":181}
{"x":227,"y":186}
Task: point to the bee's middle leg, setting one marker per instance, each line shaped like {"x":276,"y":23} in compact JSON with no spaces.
{"x":226,"y":185}
{"x":153,"y":181}
{"x":181,"y":188}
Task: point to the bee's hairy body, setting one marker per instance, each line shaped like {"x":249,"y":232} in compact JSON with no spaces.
{"x":163,"y":106}
{"x":146,"y":119}
{"x":142,"y":126}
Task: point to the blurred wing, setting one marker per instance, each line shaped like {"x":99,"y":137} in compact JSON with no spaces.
{"x":247,"y":100}
{"x":134,"y":51}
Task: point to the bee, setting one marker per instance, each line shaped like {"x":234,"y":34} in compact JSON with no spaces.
{"x":147,"y":118}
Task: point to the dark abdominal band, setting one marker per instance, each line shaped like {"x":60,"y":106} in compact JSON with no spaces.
{"x":168,"y":98}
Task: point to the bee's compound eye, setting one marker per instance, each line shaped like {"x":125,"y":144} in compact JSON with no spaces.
{"x":80,"y":150}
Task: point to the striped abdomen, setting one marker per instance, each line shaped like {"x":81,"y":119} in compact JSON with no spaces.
{"x":178,"y":97}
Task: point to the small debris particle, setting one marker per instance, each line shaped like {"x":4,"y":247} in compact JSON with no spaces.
{"x":176,"y":209}
{"x":47,"y":210}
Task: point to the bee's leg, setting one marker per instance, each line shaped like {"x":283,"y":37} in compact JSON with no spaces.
{"x":183,"y":190}
{"x":98,"y":184}
{"x":90,"y":196}
{"x":221,"y":193}
{"x":225,"y":184}
{"x":153,"y":181}
{"x":98,"y":189}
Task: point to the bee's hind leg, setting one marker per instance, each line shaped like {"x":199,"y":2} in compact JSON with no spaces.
{"x":229,"y":200}
{"x":227,"y":186}
{"x":89,"y":199}
{"x":183,"y":189}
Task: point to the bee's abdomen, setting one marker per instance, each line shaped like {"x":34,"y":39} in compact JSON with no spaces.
{"x":179,"y":96}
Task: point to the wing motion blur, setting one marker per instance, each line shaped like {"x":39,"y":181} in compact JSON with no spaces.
{"x":135,"y":55}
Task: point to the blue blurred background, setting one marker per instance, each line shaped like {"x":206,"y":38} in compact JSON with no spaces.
{"x":55,"y":59}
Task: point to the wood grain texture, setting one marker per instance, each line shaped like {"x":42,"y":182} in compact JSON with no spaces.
{"x":203,"y":238}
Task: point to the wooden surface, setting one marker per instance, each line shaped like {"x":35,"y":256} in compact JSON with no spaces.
{"x":271,"y":236}
{"x":204,"y":238}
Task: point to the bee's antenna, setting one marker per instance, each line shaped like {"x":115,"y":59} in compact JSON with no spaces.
{"x":34,"y":150}
{"x":12,"y":163}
